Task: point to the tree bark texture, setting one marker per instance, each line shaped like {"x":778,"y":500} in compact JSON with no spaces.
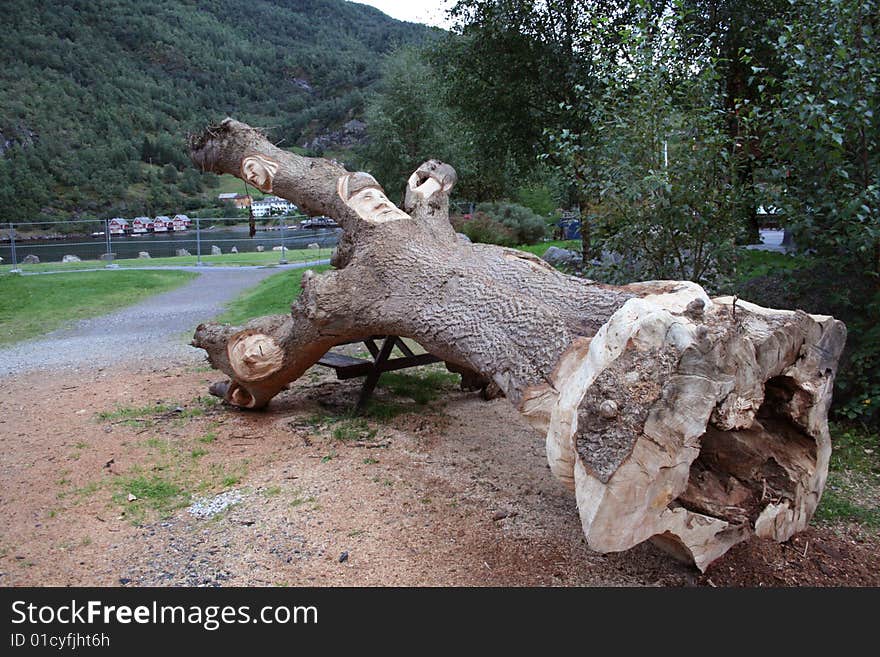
{"x":691,"y":421}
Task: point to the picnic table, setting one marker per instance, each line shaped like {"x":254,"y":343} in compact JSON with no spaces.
{"x":350,"y":367}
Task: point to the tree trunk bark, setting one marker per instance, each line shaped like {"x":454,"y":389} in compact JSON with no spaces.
{"x":692,"y":421}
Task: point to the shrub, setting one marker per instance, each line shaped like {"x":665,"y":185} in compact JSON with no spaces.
{"x":526,"y":226}
{"x":482,"y":228}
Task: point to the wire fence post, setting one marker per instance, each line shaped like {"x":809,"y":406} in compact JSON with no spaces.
{"x":198,"y":243}
{"x":15,"y":268}
{"x":283,"y":260}
{"x":108,"y":240}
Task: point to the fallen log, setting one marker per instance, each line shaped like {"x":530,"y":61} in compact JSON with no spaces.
{"x":691,"y":421}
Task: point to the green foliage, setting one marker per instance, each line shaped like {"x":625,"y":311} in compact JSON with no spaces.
{"x":525,"y":225}
{"x":656,"y":162}
{"x":506,"y":224}
{"x":484,"y":229}
{"x":819,"y":116}
{"x":89,"y":90}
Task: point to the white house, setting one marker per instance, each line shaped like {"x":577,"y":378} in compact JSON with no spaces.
{"x":118,"y":226}
{"x":180,"y":222}
{"x":272,"y":205}
{"x":161,"y":224}
{"x":141,"y":224}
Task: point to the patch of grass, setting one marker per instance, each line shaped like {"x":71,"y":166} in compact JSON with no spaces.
{"x":267,"y":258}
{"x":854,"y":449}
{"x":272,"y":491}
{"x":540,"y":249}
{"x":89,"y":489}
{"x":81,"y":445}
{"x":208,"y":438}
{"x":353,"y":429}
{"x":422,"y":387}
{"x":752,"y":264}
{"x":271,"y":296}
{"x":160,"y":494}
{"x":198,"y":453}
{"x":370,"y":461}
{"x":385,"y":410}
{"x":837,"y":507}
{"x":34,"y":305}
{"x":134,"y":415}
{"x":329,"y":457}
{"x":853,"y":487}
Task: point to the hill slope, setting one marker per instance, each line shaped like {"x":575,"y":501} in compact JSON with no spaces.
{"x":92,"y":92}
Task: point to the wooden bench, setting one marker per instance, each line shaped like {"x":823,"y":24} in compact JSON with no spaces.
{"x":349,"y":367}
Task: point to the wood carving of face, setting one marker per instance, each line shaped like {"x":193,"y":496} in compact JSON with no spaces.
{"x":364,"y":195}
{"x":259,"y":171}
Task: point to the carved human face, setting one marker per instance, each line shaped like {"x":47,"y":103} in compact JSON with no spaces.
{"x":372,"y":205}
{"x":259,"y":171}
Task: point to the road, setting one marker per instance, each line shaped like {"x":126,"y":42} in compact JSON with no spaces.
{"x":150,"y":332}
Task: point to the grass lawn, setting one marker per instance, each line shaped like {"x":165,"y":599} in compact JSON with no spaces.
{"x":852,"y":492}
{"x":266,"y":258}
{"x":751,"y":264}
{"x":540,"y":249}
{"x":272,"y":296}
{"x":31,"y":305}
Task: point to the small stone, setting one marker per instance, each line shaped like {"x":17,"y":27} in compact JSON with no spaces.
{"x":343,"y":557}
{"x":608,"y":409}
{"x":131,"y":497}
{"x":501,"y":515}
{"x":124,"y":580}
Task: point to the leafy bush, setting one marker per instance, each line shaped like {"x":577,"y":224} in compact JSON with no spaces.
{"x":525,"y":225}
{"x":482,"y":228}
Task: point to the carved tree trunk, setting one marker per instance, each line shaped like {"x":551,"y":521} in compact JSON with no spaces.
{"x":692,"y":421}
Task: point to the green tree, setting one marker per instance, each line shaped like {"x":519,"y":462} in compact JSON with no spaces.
{"x":656,"y":160}
{"x":516,"y":69}
{"x":822,"y":129}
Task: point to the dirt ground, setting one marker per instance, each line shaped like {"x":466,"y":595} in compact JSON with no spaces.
{"x":454,"y":493}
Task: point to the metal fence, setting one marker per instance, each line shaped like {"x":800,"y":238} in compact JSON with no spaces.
{"x":92,"y":243}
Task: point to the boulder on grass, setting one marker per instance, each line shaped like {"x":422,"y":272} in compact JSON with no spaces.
{"x":314,"y":245}
{"x":71,"y":258}
{"x":260,"y":248}
{"x":234,"y":249}
{"x":182,"y":252}
{"x":108,"y":256}
{"x":30,"y":259}
{"x":144,"y":255}
{"x":216,"y":250}
{"x":561,"y":257}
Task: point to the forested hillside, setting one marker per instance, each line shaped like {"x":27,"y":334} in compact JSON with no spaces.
{"x":97,"y":95}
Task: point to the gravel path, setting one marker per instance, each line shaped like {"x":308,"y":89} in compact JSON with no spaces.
{"x":158,"y":327}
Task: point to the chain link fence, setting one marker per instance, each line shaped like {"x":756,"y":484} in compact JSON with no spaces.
{"x":68,"y":245}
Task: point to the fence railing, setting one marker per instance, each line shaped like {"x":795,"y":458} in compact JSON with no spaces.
{"x":216,"y":241}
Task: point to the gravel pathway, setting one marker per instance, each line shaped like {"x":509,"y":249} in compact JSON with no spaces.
{"x":159,"y":327}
